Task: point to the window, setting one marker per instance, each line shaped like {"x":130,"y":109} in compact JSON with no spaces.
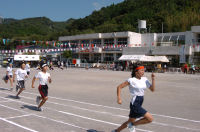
{"x":122,"y":41}
{"x":85,"y":41}
{"x":97,"y":57}
{"x":108,"y":57}
{"x":118,"y":56}
{"x":84,"y":57}
{"x":96,"y":41}
{"x":108,"y":41}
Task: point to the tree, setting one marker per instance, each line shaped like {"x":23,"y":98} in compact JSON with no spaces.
{"x":67,"y":54}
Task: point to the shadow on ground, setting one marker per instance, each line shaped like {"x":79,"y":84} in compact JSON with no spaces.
{"x":6,"y":89}
{"x":29,"y":107}
{"x":11,"y":96}
{"x":92,"y":130}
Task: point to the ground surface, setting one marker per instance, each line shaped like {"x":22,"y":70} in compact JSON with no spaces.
{"x":85,"y":100}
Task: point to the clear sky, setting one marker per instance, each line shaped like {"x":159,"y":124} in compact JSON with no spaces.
{"x":56,"y":10}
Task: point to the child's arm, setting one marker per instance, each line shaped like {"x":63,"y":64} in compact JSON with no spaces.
{"x":124,"y":84}
{"x":49,"y":79}
{"x":33,"y":81}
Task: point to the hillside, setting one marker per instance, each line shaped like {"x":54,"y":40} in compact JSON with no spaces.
{"x":176,"y":15}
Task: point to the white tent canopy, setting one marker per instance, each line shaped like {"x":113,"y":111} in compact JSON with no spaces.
{"x":26,"y":57}
{"x":144,"y":58}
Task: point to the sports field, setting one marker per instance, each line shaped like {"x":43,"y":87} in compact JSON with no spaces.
{"x":85,"y":100}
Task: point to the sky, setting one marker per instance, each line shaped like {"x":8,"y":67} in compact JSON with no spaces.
{"x":56,"y":10}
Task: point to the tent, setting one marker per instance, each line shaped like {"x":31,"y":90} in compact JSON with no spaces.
{"x":26,"y":57}
{"x":144,"y":58}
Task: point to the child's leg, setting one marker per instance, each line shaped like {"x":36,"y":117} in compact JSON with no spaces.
{"x":43,"y":101}
{"x":21,"y":89}
{"x":11,"y":82}
{"x":147,"y":119}
{"x":124,"y":125}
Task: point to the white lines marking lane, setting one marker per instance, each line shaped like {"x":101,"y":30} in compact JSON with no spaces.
{"x":86,"y":103}
{"x":42,"y":116}
{"x":73,"y":114}
{"x":18,"y":116}
{"x":13,"y":123}
{"x":157,"y":123}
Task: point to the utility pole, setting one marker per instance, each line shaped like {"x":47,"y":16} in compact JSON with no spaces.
{"x":150,"y":50}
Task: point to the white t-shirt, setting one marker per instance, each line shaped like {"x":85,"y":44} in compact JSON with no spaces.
{"x":9,"y":70}
{"x":137,"y":87}
{"x":43,"y":78}
{"x":21,"y":74}
{"x":27,"y":67}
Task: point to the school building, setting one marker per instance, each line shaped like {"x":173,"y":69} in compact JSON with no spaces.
{"x":107,"y":47}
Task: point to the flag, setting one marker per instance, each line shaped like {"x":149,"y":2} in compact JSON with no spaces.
{"x":4,"y":41}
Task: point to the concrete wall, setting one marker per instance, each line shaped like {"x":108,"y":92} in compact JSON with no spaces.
{"x":80,"y":37}
{"x":148,"y":39}
{"x":95,"y":36}
{"x":134,"y":39}
{"x":171,"y":50}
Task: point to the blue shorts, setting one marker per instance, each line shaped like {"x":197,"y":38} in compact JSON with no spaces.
{"x":136,"y":110}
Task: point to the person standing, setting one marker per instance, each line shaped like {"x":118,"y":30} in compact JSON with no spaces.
{"x":44,"y":79}
{"x":28,"y":70}
{"x":21,"y":75}
{"x":193,"y":68}
{"x":137,"y":84}
{"x":185,"y":68}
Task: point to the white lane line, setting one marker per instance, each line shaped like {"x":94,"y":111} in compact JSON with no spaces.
{"x":181,"y":127}
{"x":157,"y":123}
{"x":13,"y":123}
{"x":172,"y":117}
{"x":106,"y":122}
{"x":80,"y":102}
{"x":73,"y":114}
{"x":18,"y":116}
{"x":42,"y":116}
{"x":177,"y":118}
{"x":121,"y":116}
{"x":62,"y":122}
{"x":4,"y":101}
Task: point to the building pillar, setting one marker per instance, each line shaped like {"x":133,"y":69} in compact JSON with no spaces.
{"x":128,"y":41}
{"x":90,"y":57}
{"x":115,"y":56}
{"x":102,"y":42}
{"x":79,"y":55}
{"x":102,"y":56}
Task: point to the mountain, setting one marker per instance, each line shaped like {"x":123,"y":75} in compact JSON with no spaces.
{"x":176,"y":16}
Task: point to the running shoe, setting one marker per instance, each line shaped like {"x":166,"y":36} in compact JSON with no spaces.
{"x":114,"y":130}
{"x":39,"y":109}
{"x":131,"y":127}
{"x":17,"y":97}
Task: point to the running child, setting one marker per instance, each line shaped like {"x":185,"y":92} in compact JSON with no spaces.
{"x":44,"y":79}
{"x":137,"y":84}
{"x":9,"y":76}
{"x":21,"y":75}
